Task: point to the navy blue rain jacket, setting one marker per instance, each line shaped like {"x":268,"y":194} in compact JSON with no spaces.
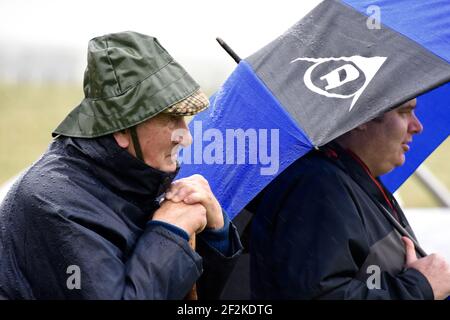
{"x":85,"y":206}
{"x":319,"y":232}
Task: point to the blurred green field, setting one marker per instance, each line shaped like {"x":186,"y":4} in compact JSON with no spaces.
{"x":30,"y":112}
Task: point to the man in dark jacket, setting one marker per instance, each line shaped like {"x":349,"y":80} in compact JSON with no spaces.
{"x":89,"y":219}
{"x":324,"y":229}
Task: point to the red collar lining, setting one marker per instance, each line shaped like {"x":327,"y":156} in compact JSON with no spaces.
{"x":367,"y":170}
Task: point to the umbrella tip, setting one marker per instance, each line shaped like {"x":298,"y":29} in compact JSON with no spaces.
{"x":220,"y":41}
{"x":227,"y":48}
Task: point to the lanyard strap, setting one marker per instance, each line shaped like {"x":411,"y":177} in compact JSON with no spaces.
{"x":137,"y":147}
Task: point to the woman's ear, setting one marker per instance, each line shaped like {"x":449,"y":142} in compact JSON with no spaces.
{"x":122,"y":138}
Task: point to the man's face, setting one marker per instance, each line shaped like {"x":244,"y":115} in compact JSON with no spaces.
{"x":160,"y":138}
{"x":389,"y":138}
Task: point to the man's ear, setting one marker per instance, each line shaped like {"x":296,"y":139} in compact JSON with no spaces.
{"x":122,"y":138}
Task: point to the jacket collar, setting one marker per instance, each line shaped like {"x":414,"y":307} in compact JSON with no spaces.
{"x":114,"y":166}
{"x":360,"y":173}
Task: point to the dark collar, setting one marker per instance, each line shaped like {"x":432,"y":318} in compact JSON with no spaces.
{"x":360,"y":173}
{"x":115,"y":167}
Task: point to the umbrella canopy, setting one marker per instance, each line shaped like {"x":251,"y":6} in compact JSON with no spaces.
{"x":332,"y":71}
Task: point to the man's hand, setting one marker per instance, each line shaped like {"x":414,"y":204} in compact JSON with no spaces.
{"x":433,"y":267}
{"x":195,"y":189}
{"x":190,"y":218}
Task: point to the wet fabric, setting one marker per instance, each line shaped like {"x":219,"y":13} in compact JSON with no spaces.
{"x":430,"y":27}
{"x":242,"y":141}
{"x":427,"y":23}
{"x":332,"y":73}
{"x":319,"y":233}
{"x":85,"y":204}
{"x":129,"y":78}
{"x":326,"y":75}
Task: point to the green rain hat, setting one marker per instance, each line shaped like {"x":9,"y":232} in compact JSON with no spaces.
{"x":130,"y":78}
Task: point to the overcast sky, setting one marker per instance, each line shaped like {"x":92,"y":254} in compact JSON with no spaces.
{"x":187,"y":29}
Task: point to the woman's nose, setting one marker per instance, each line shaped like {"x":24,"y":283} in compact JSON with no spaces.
{"x":415,"y":125}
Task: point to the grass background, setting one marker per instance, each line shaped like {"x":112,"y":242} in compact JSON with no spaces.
{"x":29,"y":113}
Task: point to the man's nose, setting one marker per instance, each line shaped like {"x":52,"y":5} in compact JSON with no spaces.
{"x":415,"y":125}
{"x":187,"y":138}
{"x":182,"y":135}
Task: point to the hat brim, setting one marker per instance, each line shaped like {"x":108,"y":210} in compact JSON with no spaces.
{"x":161,"y":90}
{"x":189,"y":106}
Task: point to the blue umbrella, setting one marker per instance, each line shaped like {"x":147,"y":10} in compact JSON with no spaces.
{"x":335,"y":69}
